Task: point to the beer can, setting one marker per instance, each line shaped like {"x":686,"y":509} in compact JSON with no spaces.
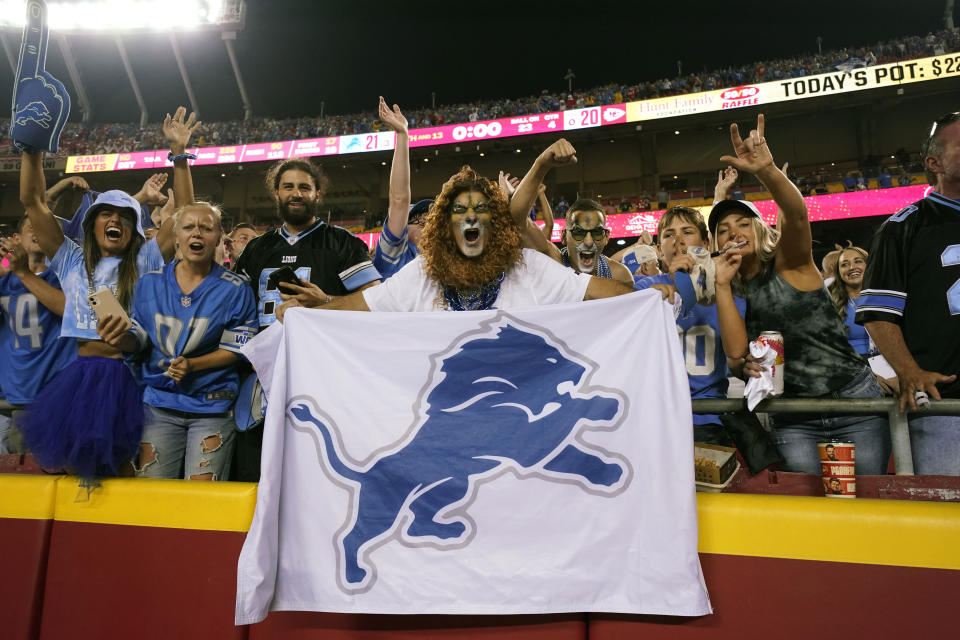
{"x":774,"y":340}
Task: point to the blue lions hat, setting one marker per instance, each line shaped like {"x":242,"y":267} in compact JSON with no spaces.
{"x":118,"y":200}
{"x":41,"y":104}
{"x":421,"y":207}
{"x":639,"y":253}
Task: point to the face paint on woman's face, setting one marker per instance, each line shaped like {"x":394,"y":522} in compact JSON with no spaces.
{"x":470,"y":222}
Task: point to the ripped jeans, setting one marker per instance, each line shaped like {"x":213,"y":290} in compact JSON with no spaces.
{"x":179,"y":445}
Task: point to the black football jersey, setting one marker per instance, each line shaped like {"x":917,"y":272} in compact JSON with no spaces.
{"x":913,"y":280}
{"x":326,"y":255}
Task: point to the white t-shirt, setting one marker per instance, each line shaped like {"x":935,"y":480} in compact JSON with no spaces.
{"x":537,"y":281}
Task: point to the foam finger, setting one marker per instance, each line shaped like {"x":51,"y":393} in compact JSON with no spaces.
{"x":33,"y":51}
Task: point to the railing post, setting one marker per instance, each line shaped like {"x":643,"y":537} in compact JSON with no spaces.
{"x":900,"y":440}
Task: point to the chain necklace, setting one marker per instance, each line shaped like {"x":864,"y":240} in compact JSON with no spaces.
{"x":482,"y":298}
{"x":602,"y":270}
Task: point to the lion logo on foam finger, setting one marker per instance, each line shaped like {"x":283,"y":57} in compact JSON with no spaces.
{"x":506,"y":398}
{"x":36,"y":112}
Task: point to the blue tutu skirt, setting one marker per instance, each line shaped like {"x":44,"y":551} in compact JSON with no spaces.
{"x":88,"y":419}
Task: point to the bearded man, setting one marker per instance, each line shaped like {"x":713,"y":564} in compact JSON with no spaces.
{"x":328,"y":257}
{"x":472,"y":255}
{"x":324,"y":257}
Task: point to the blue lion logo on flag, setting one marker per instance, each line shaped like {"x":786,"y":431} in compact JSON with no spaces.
{"x":504,"y":399}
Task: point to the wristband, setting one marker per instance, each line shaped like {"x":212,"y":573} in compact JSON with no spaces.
{"x":182,"y":156}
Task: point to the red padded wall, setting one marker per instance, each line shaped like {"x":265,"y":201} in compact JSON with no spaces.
{"x":291,"y":625}
{"x":117,"y":581}
{"x":23,"y":549}
{"x":802,"y":599}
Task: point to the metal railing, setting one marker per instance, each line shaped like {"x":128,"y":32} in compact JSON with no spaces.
{"x":890,"y":407}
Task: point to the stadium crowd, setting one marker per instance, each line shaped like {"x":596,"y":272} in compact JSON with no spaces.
{"x":79,"y":139}
{"x":127,"y":308}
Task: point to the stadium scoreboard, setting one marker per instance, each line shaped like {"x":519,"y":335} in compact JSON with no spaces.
{"x":854,"y":78}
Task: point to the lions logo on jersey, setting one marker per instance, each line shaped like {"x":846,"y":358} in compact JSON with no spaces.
{"x":502,"y":399}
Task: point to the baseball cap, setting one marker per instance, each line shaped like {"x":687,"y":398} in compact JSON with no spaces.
{"x":724,"y":207}
{"x":118,"y":200}
{"x":637,"y":255}
{"x":419,"y":208}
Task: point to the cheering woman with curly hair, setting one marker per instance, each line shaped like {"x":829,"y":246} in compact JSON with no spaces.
{"x":472,"y":255}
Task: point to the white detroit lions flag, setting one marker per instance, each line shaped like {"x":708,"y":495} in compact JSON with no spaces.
{"x":487,"y":462}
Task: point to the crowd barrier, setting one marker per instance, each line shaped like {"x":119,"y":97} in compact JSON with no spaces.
{"x":157,"y":559}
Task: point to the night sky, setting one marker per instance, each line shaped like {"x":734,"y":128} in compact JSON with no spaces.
{"x":295,"y":54}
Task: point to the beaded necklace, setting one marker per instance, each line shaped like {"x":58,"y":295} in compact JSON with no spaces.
{"x":482,"y":298}
{"x":602,"y":270}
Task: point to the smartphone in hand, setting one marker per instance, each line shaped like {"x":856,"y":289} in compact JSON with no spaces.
{"x":104,"y":303}
{"x":283,"y":274}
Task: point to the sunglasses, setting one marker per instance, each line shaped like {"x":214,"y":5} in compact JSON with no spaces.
{"x":417,"y":221}
{"x":579,"y":233}
{"x":943,"y":121}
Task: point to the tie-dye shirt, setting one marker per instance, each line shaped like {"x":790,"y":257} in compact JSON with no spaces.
{"x":78,"y":320}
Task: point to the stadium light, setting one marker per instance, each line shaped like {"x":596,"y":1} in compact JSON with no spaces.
{"x":113,"y":16}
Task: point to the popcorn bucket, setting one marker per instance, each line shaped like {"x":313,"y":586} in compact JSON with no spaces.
{"x":837,"y":463}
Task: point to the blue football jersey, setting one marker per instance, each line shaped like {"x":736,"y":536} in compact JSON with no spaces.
{"x":703,"y":353}
{"x":220,"y":313}
{"x":31,"y":349}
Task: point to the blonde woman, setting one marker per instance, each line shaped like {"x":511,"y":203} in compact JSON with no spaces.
{"x":784,"y":292}
{"x":845,"y":293}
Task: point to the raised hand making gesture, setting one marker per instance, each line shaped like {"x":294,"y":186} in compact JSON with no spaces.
{"x":753,"y":155}
{"x":559,"y":154}
{"x":508,"y":184}
{"x":725,"y":179}
{"x":16,"y":255}
{"x":152,"y":190}
{"x":178,"y":129}
{"x":392,"y":119}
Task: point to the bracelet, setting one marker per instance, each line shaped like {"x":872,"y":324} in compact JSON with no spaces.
{"x":182,"y":156}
